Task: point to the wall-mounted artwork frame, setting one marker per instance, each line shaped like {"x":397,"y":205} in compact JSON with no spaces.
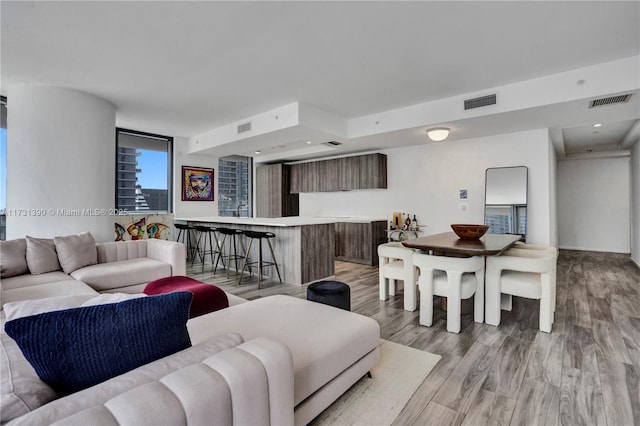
{"x":197,"y":183}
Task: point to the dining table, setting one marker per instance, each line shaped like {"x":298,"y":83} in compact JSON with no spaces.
{"x":449,"y":244}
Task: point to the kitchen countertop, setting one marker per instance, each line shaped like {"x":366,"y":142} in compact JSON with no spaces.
{"x":355,"y":219}
{"x":280,"y":221}
{"x":261,"y":221}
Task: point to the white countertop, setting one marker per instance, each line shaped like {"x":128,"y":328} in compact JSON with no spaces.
{"x":355,"y":219}
{"x":279,"y":221}
{"x":262,"y":221}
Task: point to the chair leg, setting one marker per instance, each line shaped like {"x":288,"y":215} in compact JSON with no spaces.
{"x":197,"y":250}
{"x":426,"y":297}
{"x":244,"y":263}
{"x":478,"y":301}
{"x":410,"y":299}
{"x":492,"y":295}
{"x":454,"y":303}
{"x":221,"y":255}
{"x":383,"y":286}
{"x":392,"y":287}
{"x":546,"y":309}
{"x":275,"y":263}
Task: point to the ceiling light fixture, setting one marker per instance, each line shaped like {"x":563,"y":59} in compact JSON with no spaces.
{"x":257,"y":152}
{"x":597,"y":125}
{"x":438,"y":133}
{"x":309,"y":142}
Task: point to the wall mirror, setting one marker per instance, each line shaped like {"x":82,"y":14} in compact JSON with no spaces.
{"x":505,"y":205}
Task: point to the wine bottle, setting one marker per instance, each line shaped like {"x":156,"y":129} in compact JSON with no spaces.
{"x":414,"y":224}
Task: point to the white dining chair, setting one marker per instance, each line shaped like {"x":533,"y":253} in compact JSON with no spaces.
{"x":529,"y":250}
{"x":530,"y":275}
{"x":395,"y":263}
{"x":454,"y":278}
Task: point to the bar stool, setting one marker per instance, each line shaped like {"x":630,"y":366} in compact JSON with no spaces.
{"x":230,"y":233}
{"x":255,"y":235}
{"x":207,"y":232}
{"x":184,"y":237}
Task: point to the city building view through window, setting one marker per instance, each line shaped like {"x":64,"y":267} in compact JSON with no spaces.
{"x":143,"y":172}
{"x":234,"y":186}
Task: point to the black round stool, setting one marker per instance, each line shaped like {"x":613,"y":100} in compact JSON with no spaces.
{"x":185,"y":237}
{"x":209,"y":234}
{"x":332,"y":293}
{"x":235,"y":257}
{"x":256,"y":235}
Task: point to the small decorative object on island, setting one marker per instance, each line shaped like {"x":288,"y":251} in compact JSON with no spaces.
{"x":469,"y":232}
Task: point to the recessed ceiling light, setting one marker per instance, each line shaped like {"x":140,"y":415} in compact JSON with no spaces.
{"x":309,"y":142}
{"x":597,"y":125}
{"x":257,"y":152}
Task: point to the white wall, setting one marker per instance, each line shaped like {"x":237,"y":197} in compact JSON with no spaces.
{"x":426,"y":180}
{"x":635,"y":203}
{"x":594,"y":204}
{"x":60,"y":155}
{"x":181,"y":157}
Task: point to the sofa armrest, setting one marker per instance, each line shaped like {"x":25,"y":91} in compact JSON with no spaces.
{"x":170,"y":252}
{"x":257,"y":376}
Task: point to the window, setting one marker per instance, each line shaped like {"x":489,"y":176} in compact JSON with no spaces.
{"x":235,"y":181}
{"x":3,"y":168}
{"x":144,"y":167}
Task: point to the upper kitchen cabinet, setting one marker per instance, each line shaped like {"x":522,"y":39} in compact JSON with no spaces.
{"x":273,"y":196}
{"x":340,"y":174}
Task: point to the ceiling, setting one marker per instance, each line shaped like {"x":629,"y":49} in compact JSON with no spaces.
{"x":185,"y":68}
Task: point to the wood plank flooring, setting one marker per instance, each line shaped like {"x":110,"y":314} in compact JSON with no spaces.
{"x":586,"y":372}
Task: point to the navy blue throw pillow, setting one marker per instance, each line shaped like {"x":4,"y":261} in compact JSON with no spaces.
{"x":74,"y":349}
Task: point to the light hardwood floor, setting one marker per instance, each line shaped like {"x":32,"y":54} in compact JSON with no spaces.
{"x":587,"y":371}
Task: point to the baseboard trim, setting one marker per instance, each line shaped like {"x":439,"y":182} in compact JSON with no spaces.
{"x":599,"y":250}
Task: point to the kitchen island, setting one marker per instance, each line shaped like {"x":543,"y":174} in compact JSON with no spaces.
{"x":304,"y":247}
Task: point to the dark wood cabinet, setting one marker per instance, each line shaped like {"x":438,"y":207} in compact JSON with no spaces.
{"x":273,"y":195}
{"x":340,"y":174}
{"x":358,"y":242}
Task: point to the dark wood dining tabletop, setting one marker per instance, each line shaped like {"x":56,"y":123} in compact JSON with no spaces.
{"x":449,"y":243}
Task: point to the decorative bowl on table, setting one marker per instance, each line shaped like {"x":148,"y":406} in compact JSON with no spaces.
{"x":469,"y":232}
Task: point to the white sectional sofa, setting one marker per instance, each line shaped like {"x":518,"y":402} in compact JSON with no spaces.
{"x":280,"y":359}
{"x":125,"y":267}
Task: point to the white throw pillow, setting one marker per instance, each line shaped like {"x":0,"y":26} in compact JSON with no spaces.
{"x":25,"y":308}
{"x":76,"y":251}
{"x":41,"y":255}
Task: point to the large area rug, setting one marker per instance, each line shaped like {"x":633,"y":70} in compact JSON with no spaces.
{"x":379,"y":400}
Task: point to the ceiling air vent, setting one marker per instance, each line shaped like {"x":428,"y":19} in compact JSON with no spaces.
{"x":244,"y":127}
{"x":331,"y":143}
{"x":610,"y":100}
{"x":480,"y":102}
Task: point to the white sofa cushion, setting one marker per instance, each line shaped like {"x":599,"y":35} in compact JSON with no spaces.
{"x":52,"y":289}
{"x":41,"y":255}
{"x":251,"y":384}
{"x":13,"y":258}
{"x":76,"y":251}
{"x":21,"y":390}
{"x":28,"y":279}
{"x":101,"y":393}
{"x":322,"y":349}
{"x":113,"y":275}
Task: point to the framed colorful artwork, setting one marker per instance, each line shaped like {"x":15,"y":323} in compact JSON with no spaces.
{"x":197,"y":184}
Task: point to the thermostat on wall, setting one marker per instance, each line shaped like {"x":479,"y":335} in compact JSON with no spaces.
{"x":463,"y":194}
